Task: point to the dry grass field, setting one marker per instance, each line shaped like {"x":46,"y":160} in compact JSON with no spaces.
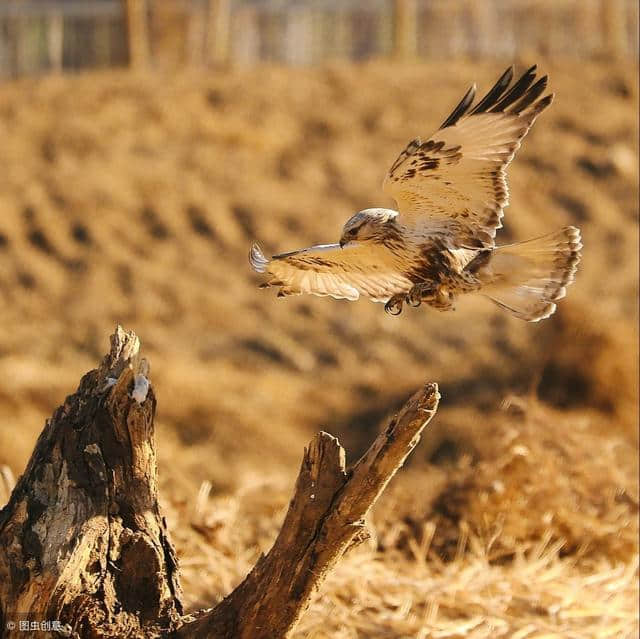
{"x":134,"y":199}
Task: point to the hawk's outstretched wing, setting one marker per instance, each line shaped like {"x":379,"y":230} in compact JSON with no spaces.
{"x":343,"y":273}
{"x":455,"y":183}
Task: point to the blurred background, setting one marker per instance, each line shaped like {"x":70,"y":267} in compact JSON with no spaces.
{"x":146,"y":144}
{"x":55,"y":35}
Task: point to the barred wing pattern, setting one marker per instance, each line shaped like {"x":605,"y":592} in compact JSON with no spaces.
{"x":455,"y":183}
{"x":343,"y":273}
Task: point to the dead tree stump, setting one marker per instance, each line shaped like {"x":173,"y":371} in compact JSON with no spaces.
{"x":83,"y":541}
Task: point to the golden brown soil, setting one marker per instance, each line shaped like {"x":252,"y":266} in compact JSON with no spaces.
{"x":135,"y":199}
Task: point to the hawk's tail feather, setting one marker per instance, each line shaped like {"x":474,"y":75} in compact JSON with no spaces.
{"x":527,"y":278}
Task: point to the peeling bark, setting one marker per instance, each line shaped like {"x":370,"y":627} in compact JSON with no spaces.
{"x":83,"y":541}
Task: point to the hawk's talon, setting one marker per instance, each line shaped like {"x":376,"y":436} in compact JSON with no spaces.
{"x":420,"y":293}
{"x":439,"y":297}
{"x":394,"y":305}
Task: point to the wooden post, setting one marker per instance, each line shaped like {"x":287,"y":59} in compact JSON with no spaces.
{"x":219,"y":31}
{"x":138,"y":33}
{"x":297,"y":36}
{"x":246,"y":48}
{"x":483,"y":16}
{"x":614,"y":27}
{"x":55,"y":41}
{"x":586,"y":25}
{"x":405,"y":22}
{"x":196,"y":32}
{"x":384,"y":32}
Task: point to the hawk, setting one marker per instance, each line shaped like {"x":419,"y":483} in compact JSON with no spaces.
{"x":450,"y":192}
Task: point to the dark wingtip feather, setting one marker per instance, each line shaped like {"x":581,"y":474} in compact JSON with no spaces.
{"x":517,"y":90}
{"x":502,"y":99}
{"x":541,"y":105}
{"x":530,"y":96}
{"x":495,"y":92}
{"x":461,"y":108}
{"x":257,"y":259}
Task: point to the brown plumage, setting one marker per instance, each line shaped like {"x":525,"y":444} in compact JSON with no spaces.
{"x":451,"y":191}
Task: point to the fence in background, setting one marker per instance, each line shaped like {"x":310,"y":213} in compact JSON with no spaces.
{"x":53,"y":35}
{"x":40,"y":36}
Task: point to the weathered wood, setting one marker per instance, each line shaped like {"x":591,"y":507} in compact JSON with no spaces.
{"x":196,"y":34}
{"x":82,"y":539}
{"x":246,"y":45}
{"x":325,"y":516}
{"x":137,"y":13}
{"x":219,"y":31}
{"x":614,"y":22}
{"x":55,"y":41}
{"x":405,"y":27}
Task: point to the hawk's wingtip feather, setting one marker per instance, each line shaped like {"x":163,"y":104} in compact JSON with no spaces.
{"x":461,"y":108}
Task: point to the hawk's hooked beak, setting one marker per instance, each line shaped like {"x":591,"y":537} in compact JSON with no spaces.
{"x":342,"y":242}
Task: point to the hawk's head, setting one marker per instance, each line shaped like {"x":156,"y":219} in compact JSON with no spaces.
{"x":370,"y":225}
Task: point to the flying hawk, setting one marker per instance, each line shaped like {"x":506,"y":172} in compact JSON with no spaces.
{"x":450,"y":191}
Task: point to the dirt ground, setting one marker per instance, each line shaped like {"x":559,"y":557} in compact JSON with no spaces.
{"x":134,"y":200}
